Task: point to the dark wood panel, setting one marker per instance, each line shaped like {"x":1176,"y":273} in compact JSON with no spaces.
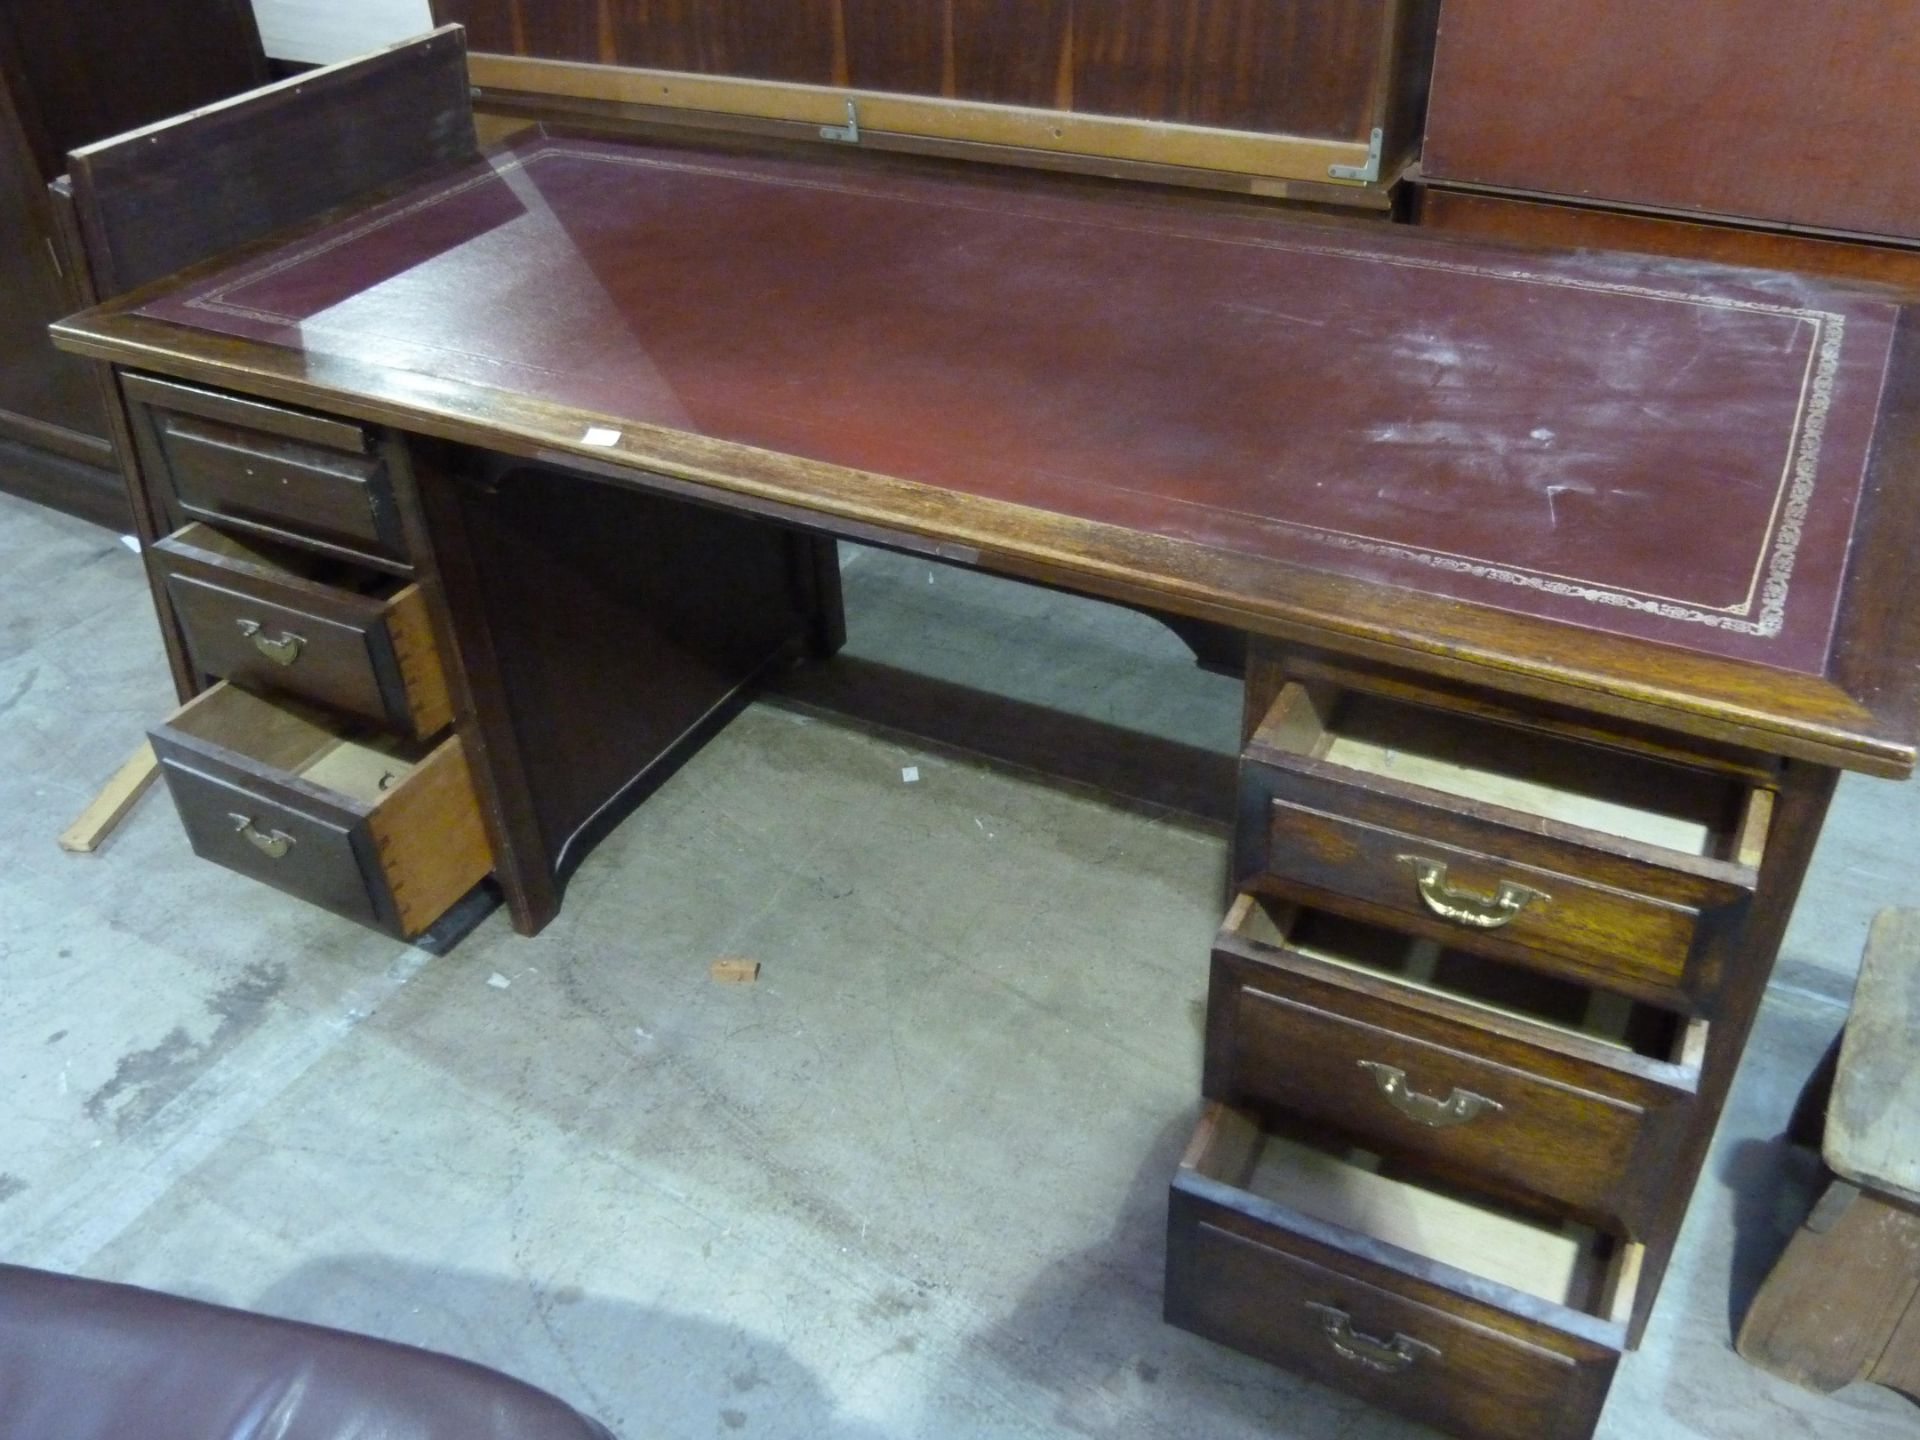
{"x":791,"y":41}
{"x":155,"y":201}
{"x":1242,"y":64}
{"x":38,"y":385}
{"x":85,"y":75}
{"x":91,"y":492}
{"x":1013,"y":52}
{"x":492,"y":25}
{"x":794,"y":40}
{"x":900,"y":45}
{"x":1284,"y":66}
{"x":572,"y":32}
{"x":672,"y":611}
{"x":1763,"y":108}
{"x":1538,"y":222}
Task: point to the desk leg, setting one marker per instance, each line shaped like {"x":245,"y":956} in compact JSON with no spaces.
{"x":817,"y":565}
{"x":1806,"y":790}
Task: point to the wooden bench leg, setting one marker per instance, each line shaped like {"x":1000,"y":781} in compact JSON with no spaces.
{"x":1840,"y":1304}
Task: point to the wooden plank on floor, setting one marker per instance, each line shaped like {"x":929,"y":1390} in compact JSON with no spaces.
{"x":107,"y":809}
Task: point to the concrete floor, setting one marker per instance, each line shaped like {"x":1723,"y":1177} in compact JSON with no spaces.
{"x":910,"y":1184}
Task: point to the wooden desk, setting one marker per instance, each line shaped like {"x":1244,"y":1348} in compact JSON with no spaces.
{"x":1571,"y":581}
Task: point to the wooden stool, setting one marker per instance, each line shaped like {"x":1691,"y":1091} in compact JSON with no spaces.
{"x":1843,"y":1303}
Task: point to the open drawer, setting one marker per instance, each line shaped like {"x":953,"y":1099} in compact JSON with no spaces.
{"x":379,"y":829}
{"x":1501,"y":1075}
{"x":1481,"y":1322}
{"x":287,"y":621}
{"x":1517,"y":843}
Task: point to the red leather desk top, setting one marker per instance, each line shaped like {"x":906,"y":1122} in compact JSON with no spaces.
{"x":1661,"y":450}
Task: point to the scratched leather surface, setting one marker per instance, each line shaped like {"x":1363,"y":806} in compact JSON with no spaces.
{"x":1645,"y":446}
{"x":85,"y":1360}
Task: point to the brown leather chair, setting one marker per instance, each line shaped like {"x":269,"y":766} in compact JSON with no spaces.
{"x":87,"y":1360}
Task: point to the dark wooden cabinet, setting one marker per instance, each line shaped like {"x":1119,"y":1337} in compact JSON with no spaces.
{"x":1769,"y":111}
{"x":70,"y":75}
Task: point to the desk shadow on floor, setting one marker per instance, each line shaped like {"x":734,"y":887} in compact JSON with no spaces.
{"x":646,"y":1374}
{"x":1131,"y":766}
{"x":1090,"y":1330}
{"x":1774,"y":1183}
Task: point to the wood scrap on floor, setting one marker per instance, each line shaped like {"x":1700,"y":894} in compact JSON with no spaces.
{"x":117,"y":797}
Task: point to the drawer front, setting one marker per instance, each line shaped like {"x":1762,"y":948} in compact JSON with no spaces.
{"x":276,"y":632}
{"x":264,"y":645}
{"x":305,"y":850}
{"x":1519,"y":895}
{"x":302,"y":478}
{"x":1418,"y":1080}
{"x":223,"y":473}
{"x":1370,"y":1332}
{"x":384,"y":832}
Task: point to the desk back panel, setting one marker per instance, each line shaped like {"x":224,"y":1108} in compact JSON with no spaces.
{"x":1654,"y":449}
{"x":160,"y":199}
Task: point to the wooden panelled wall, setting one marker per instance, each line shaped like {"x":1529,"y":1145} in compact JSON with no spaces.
{"x":1303,"y":67}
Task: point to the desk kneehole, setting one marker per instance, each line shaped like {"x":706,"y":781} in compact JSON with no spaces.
{"x":1326,"y":1260}
{"x":1509,"y":1079}
{"x":1608,"y":865}
{"x":379,"y":829}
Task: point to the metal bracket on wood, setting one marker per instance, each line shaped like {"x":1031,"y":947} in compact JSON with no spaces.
{"x":847,"y":134}
{"x":1366,"y":174}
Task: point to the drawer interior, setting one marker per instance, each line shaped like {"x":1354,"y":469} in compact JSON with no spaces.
{"x":1509,"y":990}
{"x":363,"y":765}
{"x":264,"y":557}
{"x":1615,"y":792}
{"x":1560,"y":1261}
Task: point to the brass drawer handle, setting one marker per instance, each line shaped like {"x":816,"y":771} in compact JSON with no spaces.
{"x":272,"y":843}
{"x":1468,"y":907}
{"x":1428,"y":1110}
{"x":283,"y":651}
{"x":1389,"y":1357}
